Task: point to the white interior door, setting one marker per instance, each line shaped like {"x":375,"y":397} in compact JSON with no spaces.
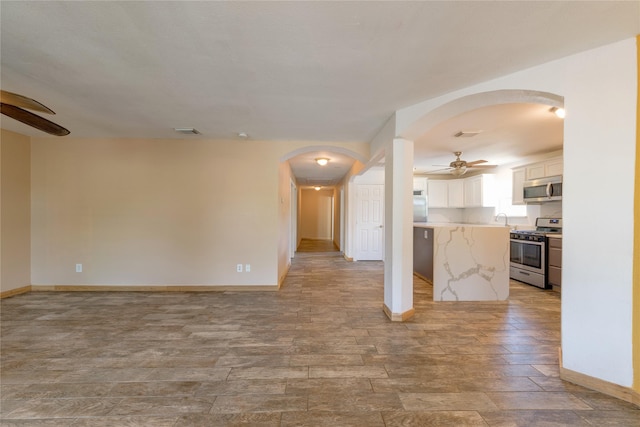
{"x":369,"y":222}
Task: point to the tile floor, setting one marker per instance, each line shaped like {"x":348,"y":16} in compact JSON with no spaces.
{"x":320,"y":352}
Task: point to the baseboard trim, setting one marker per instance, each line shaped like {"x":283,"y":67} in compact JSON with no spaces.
{"x":347,"y":258}
{"x":420,"y":276}
{"x":16,"y":291}
{"x":398,"y":317}
{"x":284,"y":276}
{"x":153,"y":288}
{"x":614,"y":390}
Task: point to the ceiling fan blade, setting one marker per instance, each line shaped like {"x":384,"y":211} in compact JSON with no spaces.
{"x":32,"y":120}
{"x":475,"y":162}
{"x":482,"y":166}
{"x":439,"y":170}
{"x":23,"y":102}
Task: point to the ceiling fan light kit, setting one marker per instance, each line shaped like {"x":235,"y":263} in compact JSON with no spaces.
{"x":460,"y":167}
{"x":459,"y":171}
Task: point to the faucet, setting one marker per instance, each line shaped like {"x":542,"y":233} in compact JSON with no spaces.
{"x":505,"y":218}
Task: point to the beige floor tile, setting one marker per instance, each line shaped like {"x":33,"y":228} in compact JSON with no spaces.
{"x":162,"y":405}
{"x":347,"y":372}
{"x":434,"y":418}
{"x":464,"y":401}
{"x":354,"y":401}
{"x":537,"y":400}
{"x":332,"y":419}
{"x":319,"y":351}
{"x":546,"y":418}
{"x":261,"y":373}
{"x":258,"y":403}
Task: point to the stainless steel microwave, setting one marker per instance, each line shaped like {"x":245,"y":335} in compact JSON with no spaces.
{"x":543,"y":189}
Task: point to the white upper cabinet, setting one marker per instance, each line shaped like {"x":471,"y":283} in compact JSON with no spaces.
{"x":476,"y":191}
{"x":551,"y":167}
{"x":438,"y":193}
{"x":456,"y":193}
{"x":479,"y":191}
{"x":554,"y":167}
{"x":544,"y":169}
{"x":517,"y":195}
{"x":420,"y":184}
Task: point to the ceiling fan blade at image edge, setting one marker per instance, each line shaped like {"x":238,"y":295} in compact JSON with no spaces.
{"x":439,"y":170}
{"x":32,"y":120}
{"x":23,"y":102}
{"x":482,"y":166}
{"x":476,"y":162}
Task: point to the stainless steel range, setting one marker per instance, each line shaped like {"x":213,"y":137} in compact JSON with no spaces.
{"x":529,"y":250}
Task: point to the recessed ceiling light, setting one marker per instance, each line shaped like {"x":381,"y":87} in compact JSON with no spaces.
{"x":187,"y":131}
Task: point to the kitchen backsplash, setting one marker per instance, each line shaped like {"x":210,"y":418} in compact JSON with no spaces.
{"x":487,"y":215}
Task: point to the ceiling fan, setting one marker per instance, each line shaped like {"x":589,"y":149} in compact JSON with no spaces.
{"x":459,"y":167}
{"x":13,"y":105}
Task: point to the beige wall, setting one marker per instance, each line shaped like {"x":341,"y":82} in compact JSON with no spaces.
{"x":154,"y":212}
{"x":284,"y":219}
{"x":159,"y":212}
{"x":15,"y":211}
{"x":337,"y":211}
{"x":316,"y":214}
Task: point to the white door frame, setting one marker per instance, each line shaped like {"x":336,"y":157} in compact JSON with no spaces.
{"x":293,"y":223}
{"x":379,"y":213}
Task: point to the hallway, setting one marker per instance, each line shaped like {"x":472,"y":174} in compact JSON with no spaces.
{"x":318,"y":352}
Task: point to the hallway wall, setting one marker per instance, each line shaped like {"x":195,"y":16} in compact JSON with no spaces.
{"x":15,"y":211}
{"x":316,"y":214}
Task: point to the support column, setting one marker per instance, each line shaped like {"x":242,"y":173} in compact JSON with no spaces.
{"x":398,"y":238}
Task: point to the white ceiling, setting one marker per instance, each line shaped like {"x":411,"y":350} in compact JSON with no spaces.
{"x":312,"y":71}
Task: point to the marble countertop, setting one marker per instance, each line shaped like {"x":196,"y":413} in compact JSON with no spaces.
{"x":454,"y":224}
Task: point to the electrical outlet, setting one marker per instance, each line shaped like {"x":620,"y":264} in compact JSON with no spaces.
{"x":239,"y":268}
{"x":247,"y":267}
{"x":78,"y":268}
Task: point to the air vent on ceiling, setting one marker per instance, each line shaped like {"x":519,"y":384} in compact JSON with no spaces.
{"x":467,"y":133}
{"x":187,"y":131}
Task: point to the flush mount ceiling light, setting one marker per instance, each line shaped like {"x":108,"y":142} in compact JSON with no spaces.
{"x":558,"y":111}
{"x":187,"y":131}
{"x":322,"y":161}
{"x":317,"y":188}
{"x":243,"y":135}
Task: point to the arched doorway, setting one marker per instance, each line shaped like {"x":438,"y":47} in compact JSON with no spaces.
{"x":320,"y":210}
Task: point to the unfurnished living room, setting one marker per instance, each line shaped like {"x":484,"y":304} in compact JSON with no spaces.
{"x":320,"y":213}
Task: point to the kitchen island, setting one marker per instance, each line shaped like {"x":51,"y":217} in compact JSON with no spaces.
{"x":464,"y":262}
